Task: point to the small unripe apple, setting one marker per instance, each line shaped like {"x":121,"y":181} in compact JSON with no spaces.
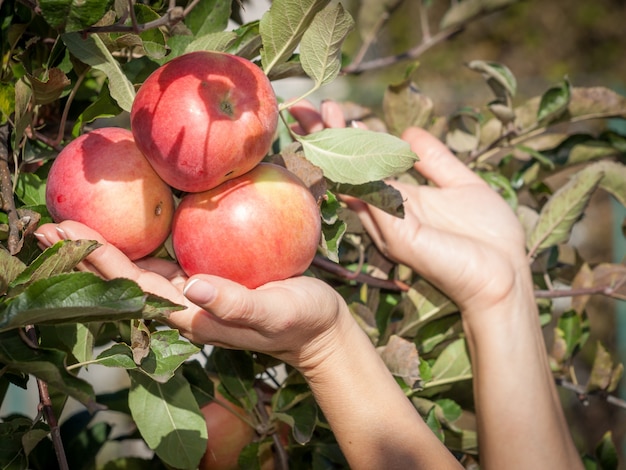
{"x":204,"y":117}
{"x":102,"y":180}
{"x":259,"y":227}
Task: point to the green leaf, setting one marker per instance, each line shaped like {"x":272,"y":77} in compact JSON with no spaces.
{"x":563,"y":209}
{"x":60,"y":258}
{"x":614,"y":179}
{"x":320,"y":49}
{"x":118,"y":355}
{"x":167,"y":352}
{"x":71,"y":14}
{"x":235,"y":371}
{"x":282,"y":27}
{"x":554,"y":102}
{"x":498,"y":76}
{"x":302,"y":417}
{"x":73,"y":297}
{"x":357,"y":156}
{"x":208,"y":16}
{"x":606,"y":453}
{"x":221,"y":42}
{"x":92,"y":51}
{"x":169,"y":419}
{"x":501,"y":184}
{"x":46,"y":364}
{"x":10,"y":268}
{"x":31,"y":189}
{"x":376,"y":193}
{"x":103,"y":107}
{"x":452,"y":365}
{"x":574,"y":329}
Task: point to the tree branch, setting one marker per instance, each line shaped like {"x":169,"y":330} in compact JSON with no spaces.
{"x":609,"y":291}
{"x":48,"y":411}
{"x":411,"y":54}
{"x":584,"y":395}
{"x":344,"y":273}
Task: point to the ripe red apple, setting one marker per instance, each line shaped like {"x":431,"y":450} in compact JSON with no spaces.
{"x":259,"y":227}
{"x":204,"y":117}
{"x":102,"y":180}
{"x":227,"y":436}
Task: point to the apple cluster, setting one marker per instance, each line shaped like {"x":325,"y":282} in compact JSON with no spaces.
{"x":201,"y":125}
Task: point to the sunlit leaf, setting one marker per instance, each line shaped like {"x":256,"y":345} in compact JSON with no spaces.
{"x":452,"y":365}
{"x":357,"y":156}
{"x":72,"y":297}
{"x":92,"y":51}
{"x":169,"y":419}
{"x":208,"y":16}
{"x":320,"y":48}
{"x":60,"y":258}
{"x":563,"y":210}
{"x":282,"y":27}
{"x":221,"y":42}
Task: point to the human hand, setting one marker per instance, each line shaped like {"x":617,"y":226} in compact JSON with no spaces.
{"x":459,"y":234}
{"x":297,"y":320}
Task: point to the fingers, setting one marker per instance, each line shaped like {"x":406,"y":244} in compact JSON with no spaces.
{"x":108,"y":262}
{"x":436,"y":162}
{"x":311,"y":120}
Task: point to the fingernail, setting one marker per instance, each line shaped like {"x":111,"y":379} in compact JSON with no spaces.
{"x":43,"y":240}
{"x":199,"y":292}
{"x":61,"y":232}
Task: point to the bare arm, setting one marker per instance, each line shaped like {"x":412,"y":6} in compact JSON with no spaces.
{"x":463,"y":237}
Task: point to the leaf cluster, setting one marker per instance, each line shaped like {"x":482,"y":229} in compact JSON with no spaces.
{"x":68,"y":66}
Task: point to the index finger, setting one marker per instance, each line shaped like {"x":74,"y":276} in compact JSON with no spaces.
{"x":436,"y":162}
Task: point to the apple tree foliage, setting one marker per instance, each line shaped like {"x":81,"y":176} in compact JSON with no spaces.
{"x":67,"y":66}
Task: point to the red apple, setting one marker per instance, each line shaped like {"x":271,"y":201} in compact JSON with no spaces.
{"x":102,"y":180}
{"x":204,"y":117}
{"x":259,"y":227}
{"x":228,"y":434}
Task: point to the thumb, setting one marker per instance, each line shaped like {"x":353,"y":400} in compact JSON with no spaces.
{"x":223,"y":298}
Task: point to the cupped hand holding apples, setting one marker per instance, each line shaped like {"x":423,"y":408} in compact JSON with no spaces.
{"x":201,"y":124}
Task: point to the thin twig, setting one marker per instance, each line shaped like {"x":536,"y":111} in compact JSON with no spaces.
{"x":6,"y":192}
{"x":344,"y":273}
{"x":557,"y":293}
{"x":48,"y":411}
{"x":584,"y":394}
{"x":411,"y":54}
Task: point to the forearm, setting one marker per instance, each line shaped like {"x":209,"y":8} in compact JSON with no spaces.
{"x":520,"y":417}
{"x":374,"y":422}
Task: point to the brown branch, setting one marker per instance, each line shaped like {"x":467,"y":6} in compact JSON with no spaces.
{"x":344,"y":273}
{"x":411,"y":54}
{"x":609,"y":291}
{"x":6,"y":192}
{"x":173,"y":15}
{"x":48,"y":411}
{"x":584,"y":395}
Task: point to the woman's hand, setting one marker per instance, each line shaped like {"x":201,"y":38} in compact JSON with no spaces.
{"x":297,"y":320}
{"x":459,"y":234}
